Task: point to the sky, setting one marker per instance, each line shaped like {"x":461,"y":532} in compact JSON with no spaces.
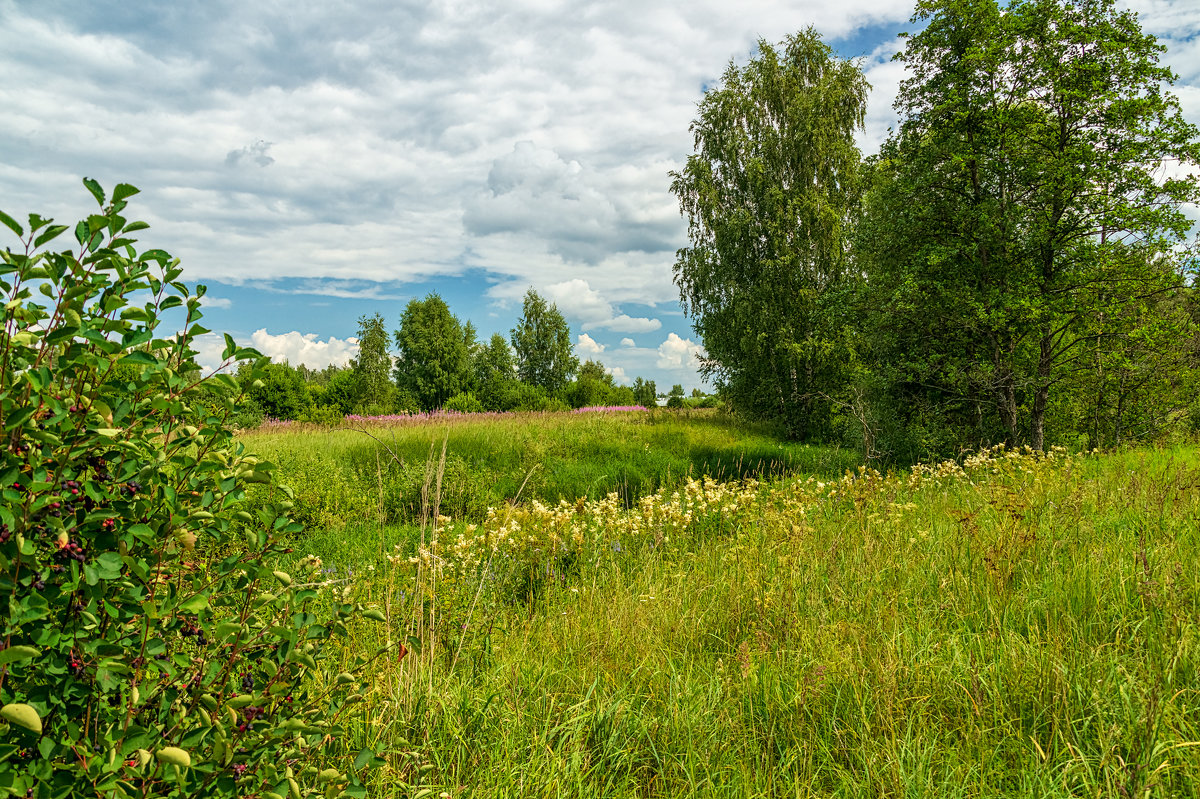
{"x":315,"y":162}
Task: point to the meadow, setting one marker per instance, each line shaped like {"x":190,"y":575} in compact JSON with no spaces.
{"x":1011,"y":623}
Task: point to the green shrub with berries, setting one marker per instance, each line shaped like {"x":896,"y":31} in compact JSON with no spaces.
{"x":150,"y":644}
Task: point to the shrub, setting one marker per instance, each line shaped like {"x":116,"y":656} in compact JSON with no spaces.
{"x":464,"y":403}
{"x":132,"y":664}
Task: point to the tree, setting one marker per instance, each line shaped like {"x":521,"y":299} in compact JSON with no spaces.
{"x":373,"y":366}
{"x":280,"y":391}
{"x":433,"y":364}
{"x":768,"y":194}
{"x":494,"y":371}
{"x":593,"y":386}
{"x":675,"y":397}
{"x":542,"y":341}
{"x":1022,"y":196}
{"x":645,"y":393}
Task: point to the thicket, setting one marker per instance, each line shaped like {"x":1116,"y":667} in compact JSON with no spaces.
{"x":150,"y":642}
{"x":1011,"y":266}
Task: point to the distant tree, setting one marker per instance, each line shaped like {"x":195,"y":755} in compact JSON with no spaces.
{"x":341,"y":391}
{"x":542,"y":341}
{"x":372,"y":369}
{"x":494,"y":371}
{"x":593,"y":386}
{"x":675,"y":397}
{"x":281,"y":391}
{"x":433,"y":363}
{"x":645,"y":393}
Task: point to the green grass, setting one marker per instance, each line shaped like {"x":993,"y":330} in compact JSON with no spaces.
{"x":344,"y":475}
{"x":1027,"y":627}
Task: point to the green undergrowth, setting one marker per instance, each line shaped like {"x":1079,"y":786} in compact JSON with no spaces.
{"x":342,"y":476}
{"x":1016,"y":625}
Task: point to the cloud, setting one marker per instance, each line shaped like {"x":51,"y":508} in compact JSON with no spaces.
{"x":582,"y":213}
{"x":628,"y":342}
{"x":304,"y":348}
{"x":619,"y":375}
{"x":587,"y":346}
{"x":255,"y":153}
{"x":403,"y":141}
{"x":216,"y":302}
{"x":626,"y":324}
{"x":578,"y":301}
{"x":676,"y":353}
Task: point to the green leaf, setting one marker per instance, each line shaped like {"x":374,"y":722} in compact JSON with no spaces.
{"x":133,"y":227}
{"x":17,"y":653}
{"x":50,"y":233}
{"x":123,"y":191}
{"x":23,"y":716}
{"x":96,"y":191}
{"x":19,"y":417}
{"x":174,"y":756}
{"x":364,"y":757}
{"x":194,"y":604}
{"x":108,"y":565}
{"x":11,"y":224}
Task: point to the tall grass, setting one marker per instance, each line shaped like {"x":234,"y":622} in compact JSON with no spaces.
{"x":1014,"y":625}
{"x":335,"y":471}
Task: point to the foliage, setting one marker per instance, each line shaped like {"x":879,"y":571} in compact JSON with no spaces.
{"x":342,"y":392}
{"x":542,"y":344}
{"x":151,"y":644}
{"x":464,"y":403}
{"x":645,"y":393}
{"x":372,"y":369}
{"x":594,"y":386}
{"x":494,"y":368}
{"x":279,"y":391}
{"x":434,"y":359}
{"x":768,"y":194}
{"x":1019,"y":218}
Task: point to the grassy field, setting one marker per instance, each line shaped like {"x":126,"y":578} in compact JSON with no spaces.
{"x":362,"y":470}
{"x":1013,"y":625}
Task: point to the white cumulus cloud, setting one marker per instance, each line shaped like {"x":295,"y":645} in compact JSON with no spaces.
{"x":676,"y":352}
{"x":587,"y":346}
{"x":304,"y":348}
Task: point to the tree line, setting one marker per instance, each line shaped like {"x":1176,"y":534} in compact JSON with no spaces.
{"x":440,"y":364}
{"x":1012,"y":265}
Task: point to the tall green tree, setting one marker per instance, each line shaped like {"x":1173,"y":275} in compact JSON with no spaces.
{"x":495,"y":371}
{"x":372,"y":368}
{"x":1023,"y":196}
{"x":433,"y":363}
{"x":768,"y":194}
{"x":645,"y":393}
{"x":542,"y":342}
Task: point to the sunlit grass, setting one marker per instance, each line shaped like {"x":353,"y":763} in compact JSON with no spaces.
{"x":1009,"y":626}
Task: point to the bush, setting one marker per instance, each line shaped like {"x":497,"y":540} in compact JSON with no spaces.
{"x":464,"y":403}
{"x":135,"y":663}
